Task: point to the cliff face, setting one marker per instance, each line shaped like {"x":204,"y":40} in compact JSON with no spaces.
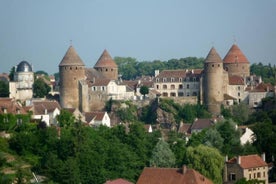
{"x":165,"y":119}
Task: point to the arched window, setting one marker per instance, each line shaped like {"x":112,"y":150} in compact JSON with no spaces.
{"x":164,"y":86}
{"x":172,"y":86}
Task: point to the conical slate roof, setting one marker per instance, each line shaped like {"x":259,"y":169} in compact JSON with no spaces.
{"x":235,"y":55}
{"x":213,"y":57}
{"x":105,"y":61}
{"x":71,"y":58}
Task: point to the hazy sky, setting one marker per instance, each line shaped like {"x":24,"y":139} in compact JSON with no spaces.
{"x":40,"y":31}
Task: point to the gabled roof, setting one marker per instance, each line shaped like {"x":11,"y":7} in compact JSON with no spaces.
{"x":10,"y":106}
{"x":213,"y":57}
{"x":101,"y":82}
{"x":98,"y":116}
{"x":236,"y":80}
{"x":105,"y":61}
{"x":249,"y":161}
{"x":118,"y":181}
{"x":39,"y":107}
{"x":200,"y":124}
{"x":152,"y":175}
{"x":172,"y":73}
{"x":71,"y":58}
{"x":263,"y":87}
{"x":235,"y":55}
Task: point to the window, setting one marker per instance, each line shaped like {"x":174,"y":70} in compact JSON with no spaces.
{"x":180,"y":94}
{"x":263,"y":174}
{"x":172,"y":86}
{"x":258,"y":175}
{"x":213,"y":65}
{"x":232,"y":177}
{"x":173,"y":94}
{"x":103,"y":88}
{"x":188,"y":86}
{"x":180,"y":86}
{"x":172,"y":79}
{"x":164,"y":80}
{"x":239,"y":88}
{"x":239,"y":94}
{"x":94,"y":88}
{"x":157,"y":79}
{"x":165,"y":94}
{"x":157,"y":86}
{"x":194,"y":94}
{"x":180,"y":79}
{"x":164,"y":86}
{"x":188,"y":94}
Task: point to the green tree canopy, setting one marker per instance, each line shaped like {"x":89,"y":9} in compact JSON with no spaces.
{"x":40,"y":88}
{"x":162,"y":155}
{"x":4,"y":89}
{"x":206,"y":160}
{"x":144,"y":90}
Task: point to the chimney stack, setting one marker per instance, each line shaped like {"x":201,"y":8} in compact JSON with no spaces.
{"x":263,"y":156}
{"x":184,"y":169}
{"x":239,"y":160}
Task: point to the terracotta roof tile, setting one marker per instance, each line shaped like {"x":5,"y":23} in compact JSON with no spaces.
{"x":235,"y":55}
{"x":41,"y":106}
{"x":249,"y":161}
{"x":118,"y":181}
{"x":213,"y":57}
{"x":263,"y":87}
{"x":10,"y":106}
{"x":200,"y":124}
{"x":71,"y":58}
{"x":236,"y":80}
{"x":171,"y":176}
{"x":105,"y":60}
{"x":98,"y":116}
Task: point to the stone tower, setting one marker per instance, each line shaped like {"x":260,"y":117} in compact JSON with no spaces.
{"x":22,"y":86}
{"x":235,"y":62}
{"x":213,"y":82}
{"x":107,"y":66}
{"x":71,"y":71}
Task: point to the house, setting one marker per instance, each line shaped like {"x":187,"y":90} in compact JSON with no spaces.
{"x":249,"y":167}
{"x":247,"y":135}
{"x":153,"y":175}
{"x":46,"y":111}
{"x":76,"y":113}
{"x":261,"y":91}
{"x":118,"y":181}
{"x":97,"y":118}
{"x":200,"y":124}
{"x":11,"y":106}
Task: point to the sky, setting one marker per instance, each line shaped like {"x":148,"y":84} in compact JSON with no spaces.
{"x":40,"y":32}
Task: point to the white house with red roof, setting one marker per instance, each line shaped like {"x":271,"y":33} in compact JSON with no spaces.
{"x":97,"y":118}
{"x":248,"y":166}
{"x":46,"y":111}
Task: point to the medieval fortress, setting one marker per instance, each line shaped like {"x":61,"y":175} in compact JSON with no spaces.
{"x":222,"y":82}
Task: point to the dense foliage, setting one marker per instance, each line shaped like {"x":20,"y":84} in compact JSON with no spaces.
{"x":130,"y":68}
{"x":40,"y":88}
{"x":267,"y":72}
{"x":4,"y":89}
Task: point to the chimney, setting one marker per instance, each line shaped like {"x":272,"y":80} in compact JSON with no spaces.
{"x":184,"y":169}
{"x":45,"y":111}
{"x":239,"y":160}
{"x":156,"y":72}
{"x":226,"y":158}
{"x":263,"y":157}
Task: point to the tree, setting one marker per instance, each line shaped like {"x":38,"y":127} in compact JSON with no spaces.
{"x":11,"y":74}
{"x":65,"y":119}
{"x":144,"y":90}
{"x":4,"y":89}
{"x":40,"y":88}
{"x":162,"y":155}
{"x":240,"y":113}
{"x":206,"y":160}
{"x":213,"y":139}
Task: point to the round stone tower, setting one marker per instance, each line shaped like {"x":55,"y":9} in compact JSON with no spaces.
{"x":213,"y":82}
{"x":22,"y":87}
{"x":235,"y":62}
{"x":107,"y":66}
{"x":71,"y":71}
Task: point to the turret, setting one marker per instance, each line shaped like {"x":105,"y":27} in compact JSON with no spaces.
{"x":213,"y":82}
{"x":71,"y":71}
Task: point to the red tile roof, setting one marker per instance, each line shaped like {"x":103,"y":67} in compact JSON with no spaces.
{"x":236,"y":80}
{"x":71,"y":58}
{"x":249,"y":161}
{"x":213,"y":57}
{"x":10,"y":106}
{"x":118,"y":181}
{"x":39,"y":107}
{"x":200,"y":124}
{"x":98,"y":116}
{"x":105,"y":61}
{"x":262,"y":87}
{"x":235,"y":55}
{"x":171,"y":176}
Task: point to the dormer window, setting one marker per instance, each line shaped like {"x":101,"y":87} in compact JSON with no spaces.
{"x":172,"y":79}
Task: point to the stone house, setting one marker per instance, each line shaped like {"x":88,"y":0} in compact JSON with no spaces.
{"x":249,"y":167}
